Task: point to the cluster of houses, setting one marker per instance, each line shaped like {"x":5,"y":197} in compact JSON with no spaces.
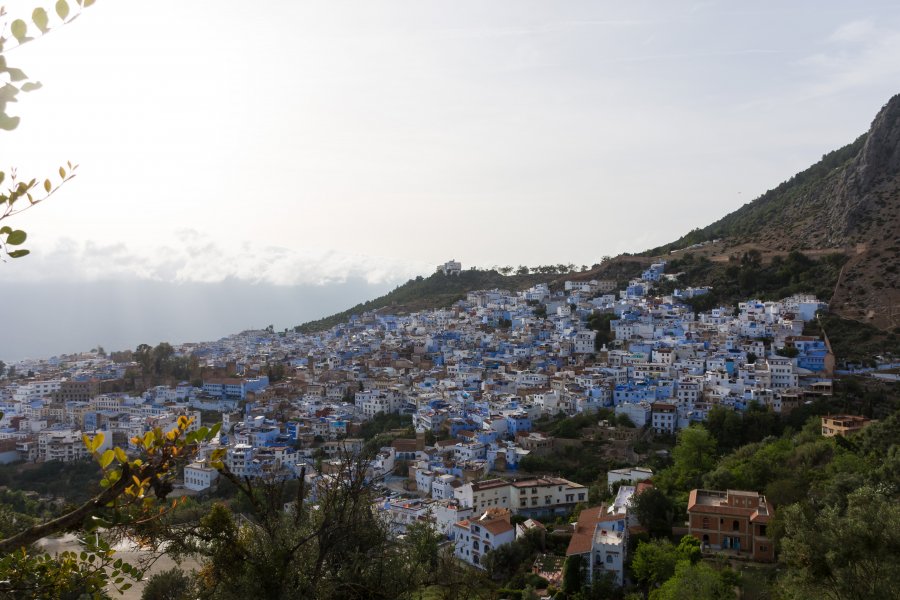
{"x":473,"y":379}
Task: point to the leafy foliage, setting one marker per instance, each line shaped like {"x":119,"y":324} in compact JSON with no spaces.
{"x":68,"y":575}
{"x":694,"y":455}
{"x":654,"y":511}
{"x":696,"y":582}
{"x":130,"y":501}
{"x":844,"y":553}
{"x":746,"y":276}
{"x":287,"y":546}
{"x":16,"y":190}
{"x":853,"y":341}
{"x":383,"y":423}
{"x":172,"y":584}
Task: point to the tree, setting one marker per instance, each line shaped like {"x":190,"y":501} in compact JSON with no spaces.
{"x":654,"y":511}
{"x":725,"y":425}
{"x":599,"y":322}
{"x":658,"y":562}
{"x":695,"y":582}
{"x":843,"y":554}
{"x":143,"y":355}
{"x":654,"y":562}
{"x":173,"y":584}
{"x":132,"y":491}
{"x":326,"y":540}
{"x":694,"y":455}
{"x":573,"y":574}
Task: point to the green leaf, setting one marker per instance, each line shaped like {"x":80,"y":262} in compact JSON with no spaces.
{"x":62,"y":173}
{"x":16,"y":237}
{"x":30,"y":86}
{"x":6,"y":230}
{"x":19,"y":29}
{"x":106,"y":458}
{"x":62,"y":9}
{"x":47,"y":185}
{"x":88,"y":3}
{"x":120,"y":455}
{"x":19,"y":253}
{"x":39,"y":16}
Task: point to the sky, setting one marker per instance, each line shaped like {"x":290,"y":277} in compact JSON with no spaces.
{"x":296,"y":144}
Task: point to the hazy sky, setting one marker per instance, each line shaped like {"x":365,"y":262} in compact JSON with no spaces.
{"x":294,"y":142}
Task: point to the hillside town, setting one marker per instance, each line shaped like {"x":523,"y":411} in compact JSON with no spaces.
{"x":475,"y":382}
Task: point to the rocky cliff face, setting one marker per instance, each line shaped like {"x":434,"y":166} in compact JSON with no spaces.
{"x":879,"y":159}
{"x":849,"y":201}
{"x":865,"y":198}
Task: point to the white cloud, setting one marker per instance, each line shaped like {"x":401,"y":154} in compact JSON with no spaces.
{"x":854,"y":31}
{"x":197,"y":258}
{"x":856,"y":55}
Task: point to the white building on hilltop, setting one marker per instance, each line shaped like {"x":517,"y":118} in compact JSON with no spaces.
{"x":451,"y":267}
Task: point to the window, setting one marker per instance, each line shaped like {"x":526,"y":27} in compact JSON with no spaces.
{"x":735,"y":526}
{"x":609,"y":558}
{"x":705,"y":524}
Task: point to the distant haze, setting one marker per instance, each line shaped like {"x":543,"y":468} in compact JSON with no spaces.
{"x":243,"y":164}
{"x":55,"y":318}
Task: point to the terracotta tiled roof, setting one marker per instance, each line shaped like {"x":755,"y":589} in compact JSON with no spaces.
{"x":583,"y":537}
{"x":497,"y":526}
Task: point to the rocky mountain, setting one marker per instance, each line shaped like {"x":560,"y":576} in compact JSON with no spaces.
{"x":842,"y":214}
{"x":848,"y":202}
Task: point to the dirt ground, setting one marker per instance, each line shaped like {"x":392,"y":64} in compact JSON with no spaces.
{"x":124,"y":551}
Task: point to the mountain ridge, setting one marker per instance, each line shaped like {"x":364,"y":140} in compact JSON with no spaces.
{"x":847,"y":203}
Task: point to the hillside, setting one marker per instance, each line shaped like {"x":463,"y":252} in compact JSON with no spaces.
{"x":436,"y":291}
{"x":848,"y":202}
{"x":832,"y":230}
